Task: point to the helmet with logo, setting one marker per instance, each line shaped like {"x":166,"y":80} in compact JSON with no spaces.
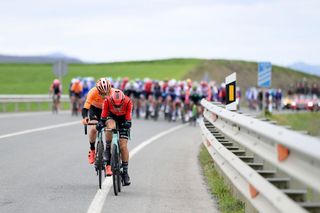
{"x":117,"y":98}
{"x":103,"y":86}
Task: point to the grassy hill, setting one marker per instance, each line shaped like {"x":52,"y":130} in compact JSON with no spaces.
{"x":36,"y":78}
{"x":247,"y":73}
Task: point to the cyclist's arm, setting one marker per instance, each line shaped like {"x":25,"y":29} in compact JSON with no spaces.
{"x":51,"y":88}
{"x":73,"y":87}
{"x":105,"y":109}
{"x":87,"y":104}
{"x":129,"y":111}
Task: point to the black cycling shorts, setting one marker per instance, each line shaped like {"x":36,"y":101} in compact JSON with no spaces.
{"x":77,"y":95}
{"x":94,"y":113}
{"x":137,"y":95}
{"x":123,"y":133}
{"x":147,"y":94}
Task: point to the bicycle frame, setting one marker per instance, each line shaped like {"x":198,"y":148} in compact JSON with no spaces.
{"x":115,"y":139}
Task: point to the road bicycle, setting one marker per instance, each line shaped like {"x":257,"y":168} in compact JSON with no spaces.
{"x":116,"y":162}
{"x":55,"y":102}
{"x":99,"y":162}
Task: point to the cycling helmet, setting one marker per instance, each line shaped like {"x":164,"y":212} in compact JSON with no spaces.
{"x":103,"y":86}
{"x":203,"y":83}
{"x":56,"y":81}
{"x":125,"y":79}
{"x":172,"y":82}
{"x":117,"y":98}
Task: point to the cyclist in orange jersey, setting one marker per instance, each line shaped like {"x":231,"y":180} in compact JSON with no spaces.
{"x":92,"y":111}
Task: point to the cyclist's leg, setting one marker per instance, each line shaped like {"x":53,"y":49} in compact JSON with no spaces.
{"x":125,"y":160}
{"x":124,"y":149}
{"x":58,"y":102}
{"x":77,"y":98}
{"x":124,"y":136}
{"x":72,"y":100}
{"x":110,"y":124}
{"x":94,"y":115}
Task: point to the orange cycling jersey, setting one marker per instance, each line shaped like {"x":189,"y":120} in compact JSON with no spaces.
{"x":76,"y":88}
{"x":94,"y":98}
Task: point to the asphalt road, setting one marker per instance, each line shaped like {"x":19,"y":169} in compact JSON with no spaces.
{"x":46,"y":169}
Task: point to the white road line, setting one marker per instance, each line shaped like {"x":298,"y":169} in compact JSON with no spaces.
{"x":22,"y":114}
{"x":39,"y":129}
{"x":101,"y":195}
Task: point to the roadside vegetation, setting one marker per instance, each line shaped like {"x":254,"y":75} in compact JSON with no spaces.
{"x":226,"y":202}
{"x":309,"y":121}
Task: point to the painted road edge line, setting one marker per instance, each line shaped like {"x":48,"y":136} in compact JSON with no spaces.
{"x":39,"y":129}
{"x":101,"y":195}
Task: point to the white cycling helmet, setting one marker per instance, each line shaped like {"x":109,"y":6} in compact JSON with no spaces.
{"x":104,"y":86}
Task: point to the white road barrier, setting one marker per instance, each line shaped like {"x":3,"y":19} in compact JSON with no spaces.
{"x":263,"y":161}
{"x":27,"y":99}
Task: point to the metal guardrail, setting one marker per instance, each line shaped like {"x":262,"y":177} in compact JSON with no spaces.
{"x":243,"y":146}
{"x":28,"y":99}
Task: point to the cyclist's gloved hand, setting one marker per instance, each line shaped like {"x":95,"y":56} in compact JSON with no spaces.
{"x":100,"y":125}
{"x":85,"y":121}
{"x":126,"y":125}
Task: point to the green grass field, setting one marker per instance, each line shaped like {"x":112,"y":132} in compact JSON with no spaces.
{"x":30,"y":107}
{"x":36,"y":78}
{"x":309,"y":121}
{"x":226,"y":202}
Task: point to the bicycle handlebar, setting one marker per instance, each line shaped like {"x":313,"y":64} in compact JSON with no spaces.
{"x":86,"y":127}
{"x":93,"y":124}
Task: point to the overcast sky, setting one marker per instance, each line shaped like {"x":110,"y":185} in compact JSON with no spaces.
{"x":280,"y":31}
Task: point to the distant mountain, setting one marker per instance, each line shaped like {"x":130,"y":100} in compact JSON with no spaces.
{"x":51,"y":58}
{"x":311,"y":69}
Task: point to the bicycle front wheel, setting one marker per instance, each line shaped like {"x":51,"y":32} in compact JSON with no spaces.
{"x":115,"y":170}
{"x":99,"y":161}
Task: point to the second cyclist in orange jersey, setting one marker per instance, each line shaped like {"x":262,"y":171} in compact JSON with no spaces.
{"x":76,"y":88}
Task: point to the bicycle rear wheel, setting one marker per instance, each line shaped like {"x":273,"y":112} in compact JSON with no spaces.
{"x":99,"y":161}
